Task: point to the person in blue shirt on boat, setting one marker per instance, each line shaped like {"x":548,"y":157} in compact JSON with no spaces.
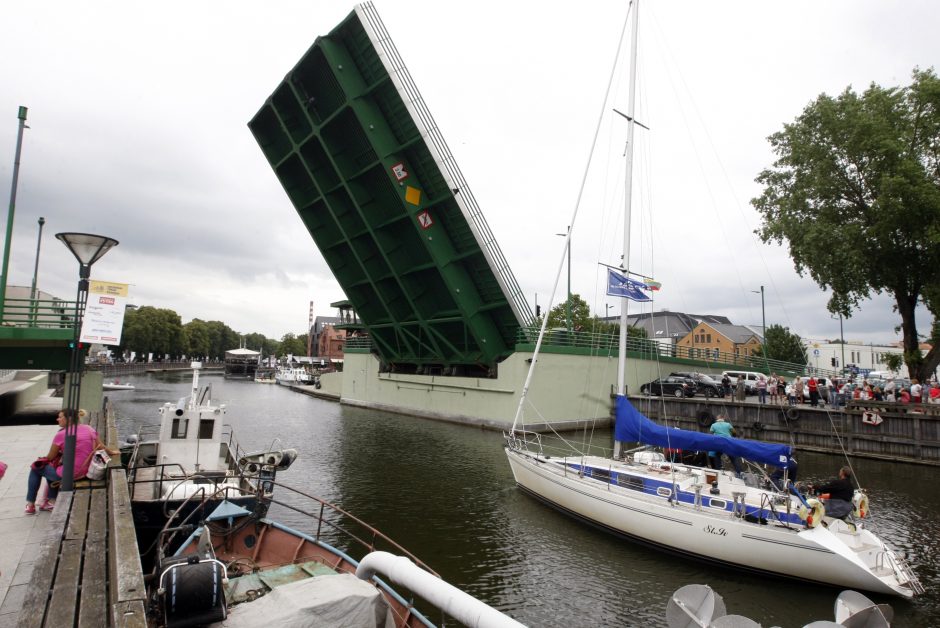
{"x":721,"y":427}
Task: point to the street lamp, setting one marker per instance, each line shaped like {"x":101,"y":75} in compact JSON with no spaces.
{"x":87,"y":249}
{"x":763,"y":315}
{"x":4,"y":278}
{"x":32,"y":290}
{"x":568,"y":302}
{"x":842,"y":340}
{"x":607,"y":307}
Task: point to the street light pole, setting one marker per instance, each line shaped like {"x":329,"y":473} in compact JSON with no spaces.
{"x":568,"y":302}
{"x":87,"y":249}
{"x":9,"y":237}
{"x":763,"y":315}
{"x":32,"y":290}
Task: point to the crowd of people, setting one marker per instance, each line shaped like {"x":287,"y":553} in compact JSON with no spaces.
{"x":823,"y":391}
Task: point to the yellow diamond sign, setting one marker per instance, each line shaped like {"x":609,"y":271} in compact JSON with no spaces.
{"x":412,"y":195}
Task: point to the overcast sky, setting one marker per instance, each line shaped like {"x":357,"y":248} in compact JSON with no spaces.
{"x":138,"y":119}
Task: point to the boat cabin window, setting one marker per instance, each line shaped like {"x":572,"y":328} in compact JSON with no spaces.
{"x":179,"y":428}
{"x":662,"y":491}
{"x":629,"y":481}
{"x":718,"y":503}
{"x":600,"y":474}
{"x":205,"y":428}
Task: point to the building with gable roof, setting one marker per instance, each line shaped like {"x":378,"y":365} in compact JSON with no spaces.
{"x":708,"y":339}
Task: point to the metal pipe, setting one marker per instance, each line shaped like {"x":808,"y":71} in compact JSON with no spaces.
{"x":9,"y":237}
{"x":461,"y":606}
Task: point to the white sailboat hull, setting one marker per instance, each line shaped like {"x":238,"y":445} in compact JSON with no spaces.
{"x":817,"y":555}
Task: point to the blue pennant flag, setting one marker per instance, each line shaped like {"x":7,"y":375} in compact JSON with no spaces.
{"x":619,"y":285}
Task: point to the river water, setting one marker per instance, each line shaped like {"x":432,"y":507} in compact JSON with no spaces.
{"x":446,"y":493}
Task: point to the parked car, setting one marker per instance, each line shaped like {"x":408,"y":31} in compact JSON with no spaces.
{"x":672,"y":385}
{"x":750,"y":379}
{"x":704,"y":384}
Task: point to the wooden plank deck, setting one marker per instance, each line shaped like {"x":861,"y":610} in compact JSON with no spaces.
{"x":88,"y":572}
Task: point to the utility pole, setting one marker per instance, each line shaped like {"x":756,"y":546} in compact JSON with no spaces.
{"x":568,"y":302}
{"x":16,"y":175}
{"x":32,"y":290}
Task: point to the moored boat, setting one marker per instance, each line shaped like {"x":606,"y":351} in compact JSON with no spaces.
{"x":192,"y":461}
{"x":241,"y":569}
{"x":748,"y":521}
{"x":293,"y":376}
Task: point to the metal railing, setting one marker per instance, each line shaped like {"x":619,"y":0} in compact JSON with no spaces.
{"x":607,"y":344}
{"x":42,"y":313}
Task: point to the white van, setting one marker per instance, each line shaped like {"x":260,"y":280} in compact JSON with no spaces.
{"x":750,"y":379}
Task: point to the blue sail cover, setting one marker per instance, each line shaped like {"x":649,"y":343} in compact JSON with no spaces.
{"x":633,"y":427}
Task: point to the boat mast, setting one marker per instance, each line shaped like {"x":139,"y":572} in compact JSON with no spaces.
{"x":627,"y":198}
{"x":628,"y":194}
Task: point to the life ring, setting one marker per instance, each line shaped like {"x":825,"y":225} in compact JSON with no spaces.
{"x":758,"y":426}
{"x":793,"y":414}
{"x":813,"y":515}
{"x":860,"y":501}
{"x":705,"y":418}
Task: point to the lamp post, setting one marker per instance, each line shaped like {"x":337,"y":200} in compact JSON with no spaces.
{"x":607,"y":307}
{"x":32,"y":290}
{"x":842,"y":340}
{"x":87,"y":249}
{"x":763,"y":315}
{"x":9,"y":236}
{"x":567,"y":235}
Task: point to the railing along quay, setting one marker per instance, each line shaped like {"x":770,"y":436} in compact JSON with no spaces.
{"x":868,"y":429}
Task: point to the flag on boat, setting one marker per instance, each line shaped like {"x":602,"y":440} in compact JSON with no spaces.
{"x":652,"y":285}
{"x":619,"y":285}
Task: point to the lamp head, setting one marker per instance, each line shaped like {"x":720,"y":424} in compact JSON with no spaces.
{"x":87,"y":247}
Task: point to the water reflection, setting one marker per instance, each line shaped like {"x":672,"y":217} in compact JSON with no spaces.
{"x":446,"y":493}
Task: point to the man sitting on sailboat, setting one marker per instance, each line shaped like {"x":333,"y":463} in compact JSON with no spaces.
{"x":837,"y":494}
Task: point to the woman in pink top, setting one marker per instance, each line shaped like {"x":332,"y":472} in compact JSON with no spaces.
{"x":50,"y":467}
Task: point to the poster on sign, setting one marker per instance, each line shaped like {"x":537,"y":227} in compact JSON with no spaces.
{"x":104,"y":312}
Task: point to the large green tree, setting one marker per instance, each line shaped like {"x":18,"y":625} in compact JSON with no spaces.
{"x":780,"y":344}
{"x":580,"y":314}
{"x":153,"y":330}
{"x":855,"y":193}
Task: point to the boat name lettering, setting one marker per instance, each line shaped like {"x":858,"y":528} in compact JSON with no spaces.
{"x":717,"y":531}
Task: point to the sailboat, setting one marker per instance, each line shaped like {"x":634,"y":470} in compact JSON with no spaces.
{"x":750,"y":522}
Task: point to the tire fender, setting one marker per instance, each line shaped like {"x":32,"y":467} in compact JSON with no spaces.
{"x":793,"y":414}
{"x":705,"y":418}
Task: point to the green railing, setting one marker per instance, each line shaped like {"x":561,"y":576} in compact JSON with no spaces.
{"x":605,"y":344}
{"x":40,"y":313}
{"x":608,"y":344}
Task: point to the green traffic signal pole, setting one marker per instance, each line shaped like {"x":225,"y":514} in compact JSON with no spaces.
{"x":9,"y":236}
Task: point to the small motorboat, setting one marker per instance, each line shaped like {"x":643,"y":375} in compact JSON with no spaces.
{"x":116,"y":385}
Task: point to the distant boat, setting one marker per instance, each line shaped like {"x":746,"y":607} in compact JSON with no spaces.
{"x":293,"y":376}
{"x":116,"y":385}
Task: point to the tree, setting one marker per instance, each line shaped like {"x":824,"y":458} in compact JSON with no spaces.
{"x":153,"y":330}
{"x":580,"y":314}
{"x":855,"y":192}
{"x":293,"y":344}
{"x":196,"y":333}
{"x":780,"y":344}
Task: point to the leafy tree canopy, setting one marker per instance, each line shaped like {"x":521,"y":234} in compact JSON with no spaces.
{"x":855,"y":193}
{"x":780,"y":344}
{"x":580,"y":314}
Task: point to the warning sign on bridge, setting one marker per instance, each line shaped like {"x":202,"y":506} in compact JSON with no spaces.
{"x":424,"y":219}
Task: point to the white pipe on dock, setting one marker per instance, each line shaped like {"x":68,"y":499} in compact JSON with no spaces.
{"x":459,"y":605}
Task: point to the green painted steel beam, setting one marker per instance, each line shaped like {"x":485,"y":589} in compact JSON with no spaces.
{"x":364,"y":165}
